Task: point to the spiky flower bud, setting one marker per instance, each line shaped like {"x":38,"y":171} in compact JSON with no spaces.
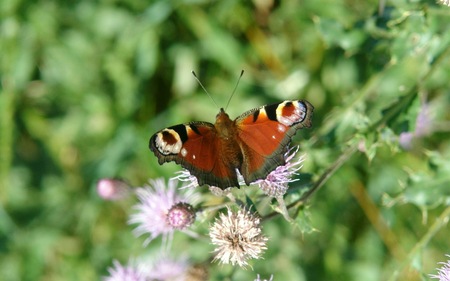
{"x":181,"y":215}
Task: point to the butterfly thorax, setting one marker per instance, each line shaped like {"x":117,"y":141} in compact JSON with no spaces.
{"x":225,"y":127}
{"x":226,"y":131}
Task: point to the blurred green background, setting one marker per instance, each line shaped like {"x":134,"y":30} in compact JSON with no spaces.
{"x":84,"y":84}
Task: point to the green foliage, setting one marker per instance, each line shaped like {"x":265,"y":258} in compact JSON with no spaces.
{"x":84,"y":84}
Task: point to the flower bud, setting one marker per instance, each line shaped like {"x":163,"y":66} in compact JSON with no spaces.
{"x":112,"y":189}
{"x":181,"y":215}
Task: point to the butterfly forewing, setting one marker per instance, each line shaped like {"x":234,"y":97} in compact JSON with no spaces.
{"x":265,"y":133}
{"x":194,"y":146}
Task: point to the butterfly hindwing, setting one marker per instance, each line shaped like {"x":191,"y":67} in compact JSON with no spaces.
{"x":265,"y":133}
{"x":194,"y":146}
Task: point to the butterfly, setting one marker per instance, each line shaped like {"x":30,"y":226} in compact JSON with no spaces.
{"x":254,"y":143}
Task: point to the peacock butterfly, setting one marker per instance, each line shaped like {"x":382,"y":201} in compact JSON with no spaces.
{"x":254,"y":143}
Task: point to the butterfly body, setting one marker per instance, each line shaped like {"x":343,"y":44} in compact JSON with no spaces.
{"x":253,"y":144}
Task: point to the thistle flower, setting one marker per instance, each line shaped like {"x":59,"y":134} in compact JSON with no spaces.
{"x":112,"y":189}
{"x":152,"y":211}
{"x":167,"y":269}
{"x":277,"y":182}
{"x":443,"y":272}
{"x":181,"y":215}
{"x":237,"y":237}
{"x":125,"y":273}
{"x":163,"y":268}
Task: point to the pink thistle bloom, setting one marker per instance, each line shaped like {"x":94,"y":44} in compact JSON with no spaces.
{"x":168,"y":269}
{"x":155,"y":202}
{"x":443,"y":272}
{"x":125,"y":273}
{"x":163,"y":268}
{"x":112,"y":189}
{"x":181,"y":215}
{"x":277,"y":182}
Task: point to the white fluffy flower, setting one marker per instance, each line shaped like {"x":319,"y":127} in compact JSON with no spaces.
{"x":237,"y":237}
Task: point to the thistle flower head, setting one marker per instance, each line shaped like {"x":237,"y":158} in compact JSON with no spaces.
{"x":164,"y":268}
{"x":112,"y":189}
{"x":443,"y":272}
{"x":155,"y":201}
{"x":237,"y":237}
{"x":128,"y":272}
{"x":181,"y":215}
{"x":277,"y":182}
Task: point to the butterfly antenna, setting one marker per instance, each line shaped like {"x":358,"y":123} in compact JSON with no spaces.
{"x":235,"y":87}
{"x":204,"y":89}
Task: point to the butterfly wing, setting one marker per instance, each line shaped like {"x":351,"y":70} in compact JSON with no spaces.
{"x":264,"y":134}
{"x":196,"y":147}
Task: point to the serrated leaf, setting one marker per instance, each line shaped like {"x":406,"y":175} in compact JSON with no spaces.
{"x":303,"y":222}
